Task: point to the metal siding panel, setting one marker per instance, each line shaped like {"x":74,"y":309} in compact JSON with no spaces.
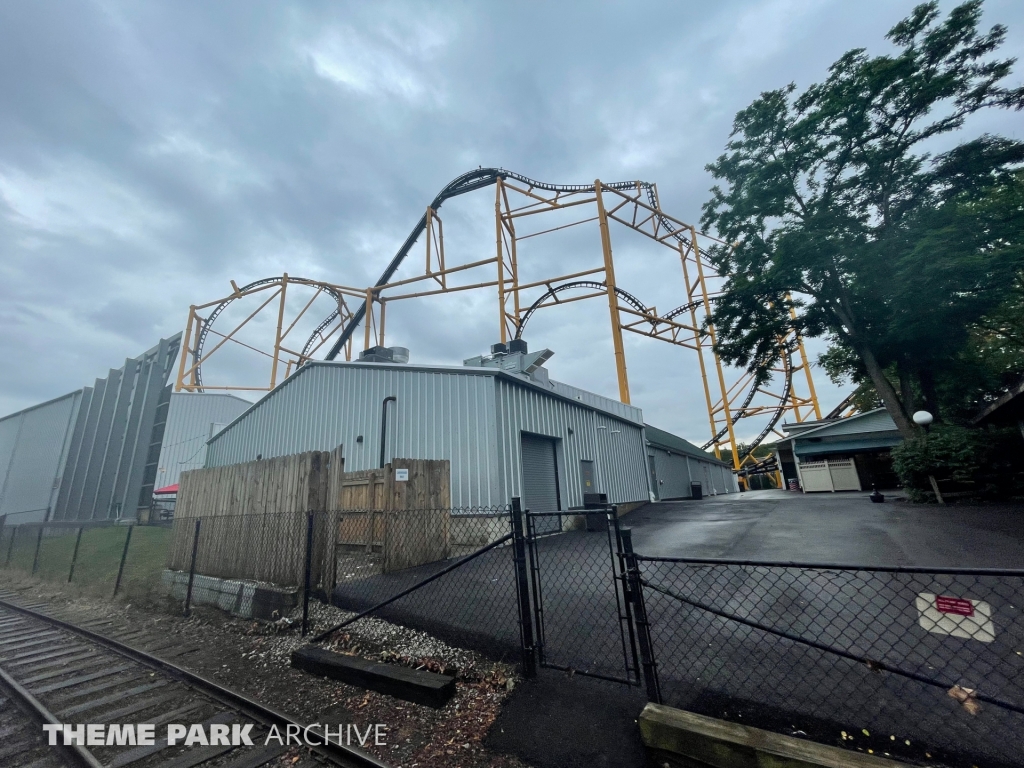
{"x":81,"y":469}
{"x":437,"y":416}
{"x":673,"y":474}
{"x":37,"y":459}
{"x":189,"y":423}
{"x":473,"y":420}
{"x":74,"y":449}
{"x":113,"y":447}
{"x":9,"y":428}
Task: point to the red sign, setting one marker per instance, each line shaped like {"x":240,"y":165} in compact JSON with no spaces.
{"x":956,"y":605}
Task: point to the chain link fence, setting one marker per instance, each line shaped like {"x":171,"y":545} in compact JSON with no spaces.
{"x":925,"y":665}
{"x":98,"y":558}
{"x":449,"y":572}
{"x":582,"y":619}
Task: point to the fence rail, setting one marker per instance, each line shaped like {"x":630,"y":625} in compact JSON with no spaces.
{"x":923,"y":664}
{"x":901,"y":660}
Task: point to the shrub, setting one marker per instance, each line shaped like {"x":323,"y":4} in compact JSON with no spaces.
{"x":986,"y":462}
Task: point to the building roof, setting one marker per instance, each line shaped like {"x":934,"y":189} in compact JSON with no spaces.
{"x":557,"y":390}
{"x":40,"y":405}
{"x":863,"y":431}
{"x":666,"y":440}
{"x":1008,"y":408}
{"x":876,"y":420}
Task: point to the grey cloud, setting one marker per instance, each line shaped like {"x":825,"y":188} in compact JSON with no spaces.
{"x":151,"y":152}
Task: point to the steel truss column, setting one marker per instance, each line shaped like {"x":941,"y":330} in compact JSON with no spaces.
{"x":280,"y":326}
{"x":613,"y":300}
{"x":696,"y":340}
{"x":718,"y":362}
{"x":508,"y":270}
{"x":502,"y":330}
{"x":807,"y":372}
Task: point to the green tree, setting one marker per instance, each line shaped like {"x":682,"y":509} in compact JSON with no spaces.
{"x":836,"y":209}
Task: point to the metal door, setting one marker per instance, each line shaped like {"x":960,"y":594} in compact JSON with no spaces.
{"x":540,"y":481}
{"x":654,"y":476}
{"x":587,"y":479}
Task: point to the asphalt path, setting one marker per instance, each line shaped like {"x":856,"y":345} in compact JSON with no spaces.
{"x":831,"y":528}
{"x":726,"y":668}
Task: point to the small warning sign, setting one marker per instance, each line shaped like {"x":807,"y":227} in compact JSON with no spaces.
{"x":401,"y":475}
{"x":956,"y":616}
{"x":956,"y":605}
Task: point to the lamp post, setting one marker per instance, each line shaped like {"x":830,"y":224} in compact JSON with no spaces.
{"x":924,"y":419}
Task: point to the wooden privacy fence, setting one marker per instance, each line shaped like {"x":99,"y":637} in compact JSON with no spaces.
{"x":254,"y":516}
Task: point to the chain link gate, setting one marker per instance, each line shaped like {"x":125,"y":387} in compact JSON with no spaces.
{"x":582,"y":619}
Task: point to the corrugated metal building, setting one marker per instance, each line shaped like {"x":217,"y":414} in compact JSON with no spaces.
{"x":33,"y":449}
{"x":90,"y":454}
{"x":675,"y":464}
{"x":192,"y":419}
{"x":506,"y":429}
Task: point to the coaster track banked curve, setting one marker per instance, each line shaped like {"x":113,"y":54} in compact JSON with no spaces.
{"x":633,"y":203}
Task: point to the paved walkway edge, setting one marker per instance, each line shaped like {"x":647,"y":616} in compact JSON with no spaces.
{"x":678,"y":739}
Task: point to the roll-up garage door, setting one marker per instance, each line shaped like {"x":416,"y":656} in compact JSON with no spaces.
{"x":540,"y":481}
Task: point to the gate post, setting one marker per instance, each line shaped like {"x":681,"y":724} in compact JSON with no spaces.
{"x":310,"y":517}
{"x":10,"y":545}
{"x":643,"y":630}
{"x":74,"y":555}
{"x":39,"y":544}
{"x":626,"y":610}
{"x":192,"y":567}
{"x":124,"y":556}
{"x":522,"y":588}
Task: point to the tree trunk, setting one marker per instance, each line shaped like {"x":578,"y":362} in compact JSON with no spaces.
{"x":906,"y":388}
{"x":886,"y":391}
{"x":931,"y":397}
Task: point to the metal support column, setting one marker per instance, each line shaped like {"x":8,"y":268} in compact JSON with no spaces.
{"x":613,"y":299}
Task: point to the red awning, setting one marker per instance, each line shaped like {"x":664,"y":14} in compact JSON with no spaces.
{"x":166,"y":490}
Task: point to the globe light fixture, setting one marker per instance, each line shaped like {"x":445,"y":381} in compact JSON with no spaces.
{"x":922,"y":418}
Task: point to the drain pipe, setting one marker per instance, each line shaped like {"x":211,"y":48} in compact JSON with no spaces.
{"x":384,"y":424}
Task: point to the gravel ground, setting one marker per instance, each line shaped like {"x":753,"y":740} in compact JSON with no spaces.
{"x":253,"y":657}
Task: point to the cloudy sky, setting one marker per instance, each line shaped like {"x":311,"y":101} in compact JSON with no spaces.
{"x":151,"y":152}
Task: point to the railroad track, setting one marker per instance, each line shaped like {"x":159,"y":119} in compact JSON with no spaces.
{"x":52,"y":671}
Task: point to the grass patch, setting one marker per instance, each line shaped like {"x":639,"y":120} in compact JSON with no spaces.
{"x":99,"y":556}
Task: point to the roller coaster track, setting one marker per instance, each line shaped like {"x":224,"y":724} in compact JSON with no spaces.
{"x":737,"y":401}
{"x":204,"y":330}
{"x":469,"y":182}
{"x":639,"y":306}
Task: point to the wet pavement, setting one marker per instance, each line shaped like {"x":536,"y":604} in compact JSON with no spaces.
{"x":844,"y":528}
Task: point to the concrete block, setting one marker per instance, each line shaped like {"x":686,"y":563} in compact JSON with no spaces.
{"x":245,"y":599}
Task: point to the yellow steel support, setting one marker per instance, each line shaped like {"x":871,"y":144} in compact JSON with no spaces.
{"x":718,"y":363}
{"x":501,"y":262}
{"x":613,"y":300}
{"x":280,"y":326}
{"x":807,"y":372}
{"x":513,"y":262}
{"x":368,"y":318}
{"x":186,"y":345}
{"x":626,"y":204}
{"x":697,"y":343}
